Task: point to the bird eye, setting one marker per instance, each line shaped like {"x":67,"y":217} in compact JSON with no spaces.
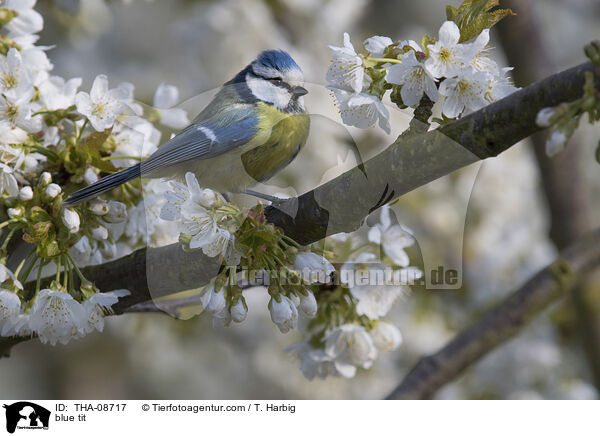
{"x":277,"y":80}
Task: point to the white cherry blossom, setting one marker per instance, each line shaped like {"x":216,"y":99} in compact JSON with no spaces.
{"x":6,"y":274}
{"x":479,"y":54}
{"x":14,"y":76}
{"x":414,"y":78}
{"x":465,"y":93}
{"x":350,"y":346}
{"x":10,"y":307}
{"x":56,"y":93}
{"x":361,"y":110}
{"x":27,"y":21}
{"x":375,"y":301}
{"x":38,"y":65}
{"x":313,"y":362}
{"x":499,"y":85}
{"x":201,"y":224}
{"x":392,"y":237}
{"x":346,"y":70}
{"x":102,"y":105}
{"x":57,"y":317}
{"x":165,"y":97}
{"x":447,"y":56}
{"x":17,"y":109}
{"x":313,"y":267}
{"x":377,"y":44}
{"x":96,"y":307}
{"x":8,"y":183}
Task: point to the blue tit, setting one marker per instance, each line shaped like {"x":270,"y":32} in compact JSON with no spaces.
{"x":255,"y":126}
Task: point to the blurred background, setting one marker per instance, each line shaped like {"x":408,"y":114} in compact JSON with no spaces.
{"x":523,"y":207}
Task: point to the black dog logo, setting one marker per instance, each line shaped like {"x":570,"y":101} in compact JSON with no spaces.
{"x":26,"y":415}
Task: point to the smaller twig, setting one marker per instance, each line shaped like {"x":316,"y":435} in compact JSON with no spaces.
{"x":503,"y":322}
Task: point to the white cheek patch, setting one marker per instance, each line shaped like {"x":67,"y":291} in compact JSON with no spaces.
{"x":266,"y":91}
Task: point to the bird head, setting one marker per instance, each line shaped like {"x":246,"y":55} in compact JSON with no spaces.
{"x":274,"y":78}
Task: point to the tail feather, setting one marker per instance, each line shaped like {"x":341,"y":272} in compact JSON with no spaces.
{"x":104,"y":184}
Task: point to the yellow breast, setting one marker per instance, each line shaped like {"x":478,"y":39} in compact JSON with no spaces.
{"x":279,"y":139}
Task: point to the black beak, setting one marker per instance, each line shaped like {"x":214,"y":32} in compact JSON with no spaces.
{"x":299,"y":91}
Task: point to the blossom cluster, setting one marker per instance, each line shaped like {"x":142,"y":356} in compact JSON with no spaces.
{"x":55,"y":315}
{"x":55,"y":139}
{"x":341,"y":319}
{"x":462,"y":76}
{"x":207,"y":222}
{"x":339,"y":345}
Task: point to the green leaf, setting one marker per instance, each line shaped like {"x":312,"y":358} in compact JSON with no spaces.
{"x":451,"y":13}
{"x":48,"y":249}
{"x":37,"y":214}
{"x":102,"y":165}
{"x":45,"y":151}
{"x":485,"y":21}
{"x":474,"y":16}
{"x":91,"y":145}
{"x":425,"y":42}
{"x":95,"y":140}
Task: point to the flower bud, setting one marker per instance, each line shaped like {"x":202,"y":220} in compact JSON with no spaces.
{"x":556,"y":143}
{"x":313,"y":268}
{"x":15,"y":213}
{"x":239,"y":311}
{"x":98,"y":207}
{"x":90,"y":176}
{"x":284,"y":314}
{"x":386,"y":336}
{"x":221,"y":319}
{"x":117,"y":212}
{"x":26,"y":193}
{"x":545,"y":116}
{"x":207,"y":198}
{"x":100,"y":233}
{"x":308,"y":305}
{"x":45,"y":178}
{"x":53,"y":190}
{"x":217,"y":301}
{"x":70,"y":219}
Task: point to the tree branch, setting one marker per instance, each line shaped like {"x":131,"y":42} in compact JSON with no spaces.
{"x":563,"y":178}
{"x":503,"y":322}
{"x":341,"y":204}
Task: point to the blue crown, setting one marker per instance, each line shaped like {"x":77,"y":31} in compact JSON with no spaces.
{"x":277,"y":59}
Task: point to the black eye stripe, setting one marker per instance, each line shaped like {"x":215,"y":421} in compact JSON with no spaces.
{"x":277,"y":81}
{"x":280,"y":83}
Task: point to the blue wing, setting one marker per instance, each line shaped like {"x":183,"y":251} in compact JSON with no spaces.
{"x":205,"y":139}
